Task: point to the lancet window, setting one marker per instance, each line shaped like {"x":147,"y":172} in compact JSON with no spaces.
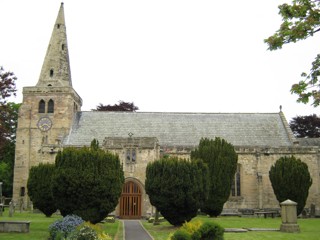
{"x":236,"y":185}
{"x":51,"y":106}
{"x":42,"y":106}
{"x":131,"y":155}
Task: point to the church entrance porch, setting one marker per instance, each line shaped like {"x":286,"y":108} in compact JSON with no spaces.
{"x":130,"y":201}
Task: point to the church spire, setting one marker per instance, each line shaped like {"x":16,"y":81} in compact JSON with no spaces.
{"x":55,"y":70}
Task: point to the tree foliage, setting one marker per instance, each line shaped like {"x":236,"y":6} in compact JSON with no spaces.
{"x":290,"y":179}
{"x":301,"y":20}
{"x":88,"y":182}
{"x":175,"y":188}
{"x":7,"y":89}
{"x":40,"y":188}
{"x":121,"y":107}
{"x":8,"y":125}
{"x":7,"y":85}
{"x":306,"y":126}
{"x":221,"y":159}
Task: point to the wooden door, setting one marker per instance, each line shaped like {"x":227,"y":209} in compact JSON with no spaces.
{"x":130,"y":201}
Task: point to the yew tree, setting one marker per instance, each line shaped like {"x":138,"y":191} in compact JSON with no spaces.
{"x":221,"y":159}
{"x":290,"y":179}
{"x":300,"y":20}
{"x":40,"y":188}
{"x":175,"y":187}
{"x":88,"y":182}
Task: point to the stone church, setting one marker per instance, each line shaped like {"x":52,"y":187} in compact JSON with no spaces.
{"x":50,"y":118}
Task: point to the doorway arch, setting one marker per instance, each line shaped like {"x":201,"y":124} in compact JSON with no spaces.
{"x":130,"y":201}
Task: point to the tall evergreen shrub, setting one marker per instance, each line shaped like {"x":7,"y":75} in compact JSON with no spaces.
{"x":88,"y":182}
{"x":175,"y":188}
{"x":40,"y":188}
{"x":221,"y":159}
{"x":290,"y":179}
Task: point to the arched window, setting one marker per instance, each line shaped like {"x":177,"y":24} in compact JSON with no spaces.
{"x":42,"y":106}
{"x":51,"y":72}
{"x":236,"y":186}
{"x":131,"y":155}
{"x":50,"y":106}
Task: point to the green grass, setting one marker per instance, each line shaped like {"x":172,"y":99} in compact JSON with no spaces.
{"x":39,"y":228}
{"x":40,"y":224}
{"x":309,"y":228}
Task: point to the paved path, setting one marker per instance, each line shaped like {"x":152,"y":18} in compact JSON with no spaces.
{"x":133,"y":230}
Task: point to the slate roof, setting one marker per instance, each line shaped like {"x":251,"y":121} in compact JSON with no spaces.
{"x":309,"y":142}
{"x":182,"y":129}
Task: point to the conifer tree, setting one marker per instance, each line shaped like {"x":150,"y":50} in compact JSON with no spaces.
{"x":88,"y":182}
{"x":175,"y":188}
{"x":40,"y":188}
{"x":221,"y":159}
{"x":290,"y":179}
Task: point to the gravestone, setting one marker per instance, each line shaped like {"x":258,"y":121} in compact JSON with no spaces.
{"x":312,"y":210}
{"x":11,"y":208}
{"x":289,"y":217}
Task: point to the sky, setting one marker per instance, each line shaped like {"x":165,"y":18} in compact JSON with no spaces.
{"x":165,"y":56}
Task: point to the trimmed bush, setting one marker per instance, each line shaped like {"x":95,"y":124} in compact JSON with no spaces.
{"x":88,"y":182}
{"x":290,"y":179}
{"x":87,"y":231}
{"x":175,"y":188}
{"x":221,"y":159}
{"x":209,"y":231}
{"x":40,"y":188}
{"x":61,"y":228}
{"x":199,"y":231}
{"x":181,"y":234}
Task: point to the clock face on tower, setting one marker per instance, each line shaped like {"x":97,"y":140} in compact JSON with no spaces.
{"x":44,"y":124}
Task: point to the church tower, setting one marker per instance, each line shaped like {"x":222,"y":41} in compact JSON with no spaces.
{"x":47,"y":111}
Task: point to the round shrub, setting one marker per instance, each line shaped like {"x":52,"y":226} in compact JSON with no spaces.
{"x":61,"y":228}
{"x":181,"y":234}
{"x":88,"y":231}
{"x":209,"y":231}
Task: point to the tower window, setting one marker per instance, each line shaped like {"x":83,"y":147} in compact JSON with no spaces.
{"x":51,"y":106}
{"x":51,"y":72}
{"x":58,"y":26}
{"x":42,"y":106}
{"x":22,"y":191}
{"x":62,"y":46}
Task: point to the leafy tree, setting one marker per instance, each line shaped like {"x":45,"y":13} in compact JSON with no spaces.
{"x":8,"y":119}
{"x":221,"y":159}
{"x":121,"y":107}
{"x":306,"y":126}
{"x":7,"y":89}
{"x":301,"y":20}
{"x":6,"y":167}
{"x":40,"y":188}
{"x":175,"y":188}
{"x":290,"y":179}
{"x":7,"y":85}
{"x":88,"y":182}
